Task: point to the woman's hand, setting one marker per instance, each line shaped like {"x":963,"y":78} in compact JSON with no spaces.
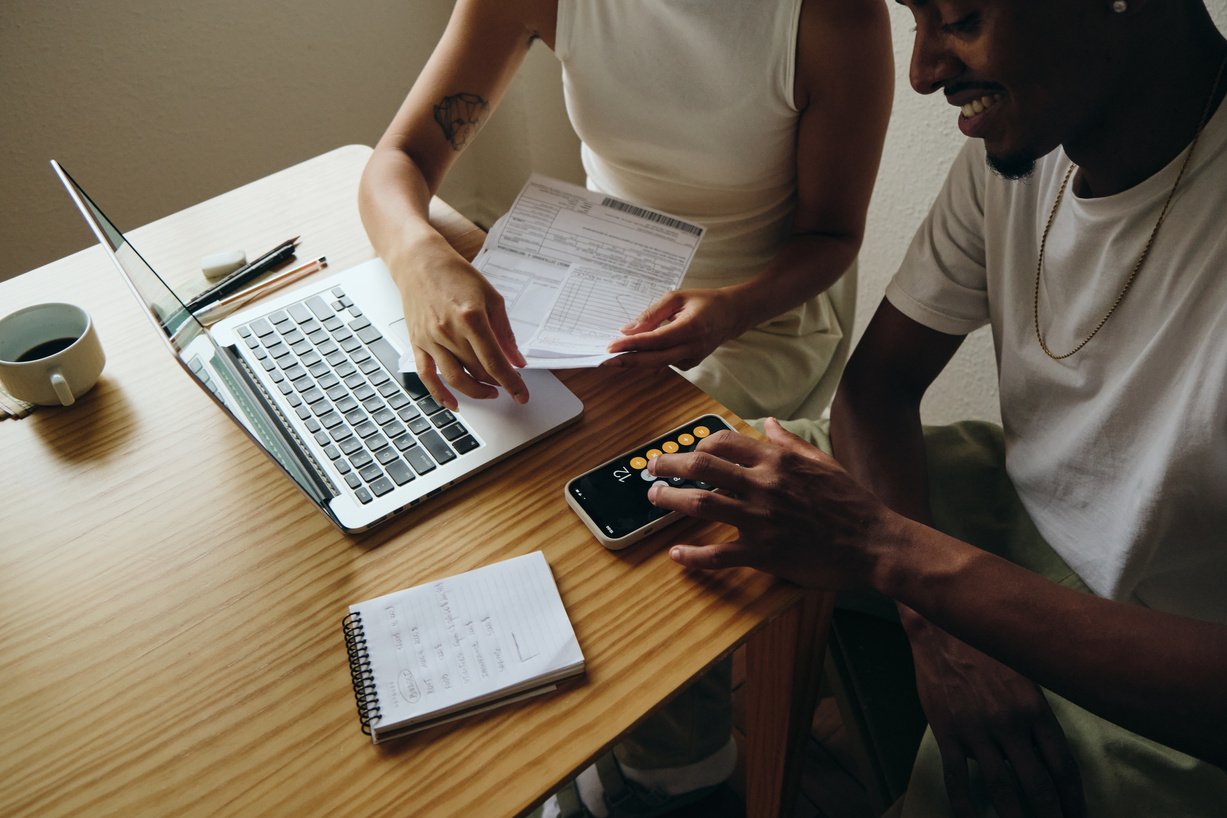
{"x":458,"y":328}
{"x":680,"y":330}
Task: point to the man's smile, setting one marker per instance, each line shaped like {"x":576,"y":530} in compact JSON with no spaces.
{"x":979,"y":105}
{"x":973,"y":102}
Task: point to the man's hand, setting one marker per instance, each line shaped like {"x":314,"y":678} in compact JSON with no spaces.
{"x":980,"y":709}
{"x":799,"y":515}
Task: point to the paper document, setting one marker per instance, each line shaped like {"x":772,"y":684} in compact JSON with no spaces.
{"x":574,"y":266}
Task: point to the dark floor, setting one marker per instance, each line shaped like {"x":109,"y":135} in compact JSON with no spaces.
{"x":845,"y":773}
{"x":830,"y":786}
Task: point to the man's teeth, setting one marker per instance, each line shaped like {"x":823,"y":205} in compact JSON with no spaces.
{"x":980,"y":105}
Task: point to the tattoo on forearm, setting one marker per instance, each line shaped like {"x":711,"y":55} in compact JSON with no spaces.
{"x":459,"y":116}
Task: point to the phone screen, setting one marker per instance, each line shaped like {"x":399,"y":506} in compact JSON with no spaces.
{"x":615,"y":495}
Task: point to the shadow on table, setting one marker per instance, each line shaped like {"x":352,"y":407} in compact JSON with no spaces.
{"x":98,"y":425}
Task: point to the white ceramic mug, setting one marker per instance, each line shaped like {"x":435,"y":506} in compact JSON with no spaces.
{"x":49,"y":354}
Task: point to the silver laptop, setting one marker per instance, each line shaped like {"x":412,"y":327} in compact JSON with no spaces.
{"x":312,"y":377}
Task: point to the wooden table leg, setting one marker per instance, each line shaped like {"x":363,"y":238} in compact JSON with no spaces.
{"x":783,"y":666}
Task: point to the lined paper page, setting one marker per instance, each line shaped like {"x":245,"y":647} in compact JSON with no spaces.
{"x":461,"y":641}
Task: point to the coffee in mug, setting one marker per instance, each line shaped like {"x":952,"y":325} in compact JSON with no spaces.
{"x":49,"y":354}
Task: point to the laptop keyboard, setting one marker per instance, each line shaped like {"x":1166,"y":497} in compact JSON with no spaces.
{"x":379,"y":427}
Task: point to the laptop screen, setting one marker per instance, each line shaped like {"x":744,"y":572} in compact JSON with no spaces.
{"x":191,"y":344}
{"x":165,"y":308}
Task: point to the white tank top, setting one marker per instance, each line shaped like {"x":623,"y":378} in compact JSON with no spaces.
{"x":687,"y":106}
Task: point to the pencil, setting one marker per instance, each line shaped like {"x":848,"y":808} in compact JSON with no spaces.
{"x":278,"y":255}
{"x":224,"y":307}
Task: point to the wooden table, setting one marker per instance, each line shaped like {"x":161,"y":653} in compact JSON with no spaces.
{"x":170,"y":605}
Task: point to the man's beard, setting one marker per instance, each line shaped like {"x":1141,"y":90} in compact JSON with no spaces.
{"x":1018,"y":166}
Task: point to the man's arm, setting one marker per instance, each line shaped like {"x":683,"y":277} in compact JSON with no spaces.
{"x":977,"y":707}
{"x":875,"y":417}
{"x":801,"y":516}
{"x":1155,"y":673}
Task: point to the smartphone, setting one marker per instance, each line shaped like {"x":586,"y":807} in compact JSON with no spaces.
{"x":612,"y":499}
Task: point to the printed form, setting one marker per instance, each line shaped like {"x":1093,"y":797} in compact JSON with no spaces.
{"x":575,"y":266}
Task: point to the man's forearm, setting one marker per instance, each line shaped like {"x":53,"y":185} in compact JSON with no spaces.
{"x":1157,"y":674}
{"x":876,"y":435}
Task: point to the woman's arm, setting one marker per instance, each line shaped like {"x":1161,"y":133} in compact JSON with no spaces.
{"x":844,"y":87}
{"x":457,"y":321}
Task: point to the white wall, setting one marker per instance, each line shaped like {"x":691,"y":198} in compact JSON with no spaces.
{"x":921,"y":142}
{"x":155,"y":106}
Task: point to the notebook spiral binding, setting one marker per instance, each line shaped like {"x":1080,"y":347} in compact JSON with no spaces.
{"x":360,"y":670}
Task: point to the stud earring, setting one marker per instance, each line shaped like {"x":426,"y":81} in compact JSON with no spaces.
{"x":1119,"y":6}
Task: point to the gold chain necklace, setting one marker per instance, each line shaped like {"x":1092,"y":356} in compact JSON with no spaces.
{"x":1039,"y":266}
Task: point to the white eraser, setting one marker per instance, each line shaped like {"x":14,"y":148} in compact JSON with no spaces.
{"x":220,"y":265}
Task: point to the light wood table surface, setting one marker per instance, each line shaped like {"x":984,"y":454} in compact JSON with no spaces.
{"x":170,"y":605}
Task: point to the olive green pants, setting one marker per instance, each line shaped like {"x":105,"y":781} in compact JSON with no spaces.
{"x":1123,"y":774}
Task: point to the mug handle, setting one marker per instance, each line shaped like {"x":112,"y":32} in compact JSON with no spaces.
{"x":62,"y":391}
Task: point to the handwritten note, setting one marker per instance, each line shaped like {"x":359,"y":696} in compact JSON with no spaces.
{"x":458,"y":643}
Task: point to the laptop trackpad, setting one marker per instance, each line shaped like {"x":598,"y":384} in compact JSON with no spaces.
{"x":398,"y":331}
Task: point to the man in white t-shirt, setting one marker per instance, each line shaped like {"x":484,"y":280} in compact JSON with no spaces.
{"x":1084,"y":223}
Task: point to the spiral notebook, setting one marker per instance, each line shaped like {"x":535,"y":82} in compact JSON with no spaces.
{"x":447,"y":649}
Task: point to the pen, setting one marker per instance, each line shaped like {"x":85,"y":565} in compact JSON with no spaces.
{"x":220,"y":309}
{"x":232,"y":282}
